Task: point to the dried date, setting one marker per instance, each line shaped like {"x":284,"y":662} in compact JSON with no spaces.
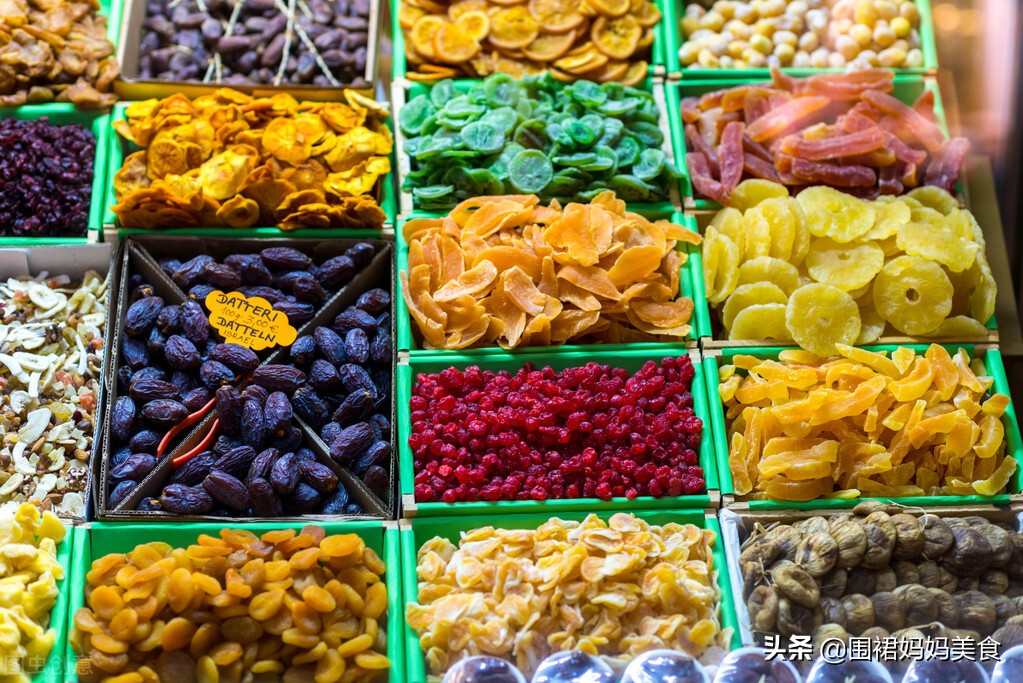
{"x":190,"y":272}
{"x":318,"y":476}
{"x":236,"y":461}
{"x":122,"y":419}
{"x":329,"y":345}
{"x":235,"y":356}
{"x":284,"y":474}
{"x":351,"y":443}
{"x":194,"y":323}
{"x":181,"y":353}
{"x":186,"y":500}
{"x":229,"y":409}
{"x":142,"y":315}
{"x":145,"y":389}
{"x":285,"y":258}
{"x":136,"y":467}
{"x":164,"y":412}
{"x":265,"y":502}
{"x":227,"y":490}
{"x":253,"y":424}
{"x":195,"y":469}
{"x":357,"y":346}
{"x":310,"y":407}
{"x":374,"y":301}
{"x":215,"y":374}
{"x":337,"y":272}
{"x":277,"y":377}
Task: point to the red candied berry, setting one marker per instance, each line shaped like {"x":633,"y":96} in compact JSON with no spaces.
{"x":603,"y":491}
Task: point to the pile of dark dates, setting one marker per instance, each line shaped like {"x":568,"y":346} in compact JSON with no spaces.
{"x":172,"y":365}
{"x":752,"y":666}
{"x":212,"y":42}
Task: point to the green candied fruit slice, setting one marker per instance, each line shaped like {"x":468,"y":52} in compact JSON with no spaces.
{"x":565,"y":185}
{"x":476,"y":94}
{"x":581,"y":132}
{"x":432,"y":192}
{"x":627,"y":151}
{"x":482,"y":137}
{"x":487,"y":182}
{"x":650,"y":164}
{"x":576,"y":160}
{"x":631,"y":188}
{"x":434,"y":146}
{"x":648,"y":135}
{"x":501,"y":90}
{"x":605,"y":160}
{"x":532,"y":134}
{"x":461,"y":108}
{"x":558,"y":134}
{"x":504,"y":119}
{"x":612,"y":132}
{"x":530,"y":171}
{"x":588,"y":94}
{"x":414,"y":114}
{"x":443,"y":92}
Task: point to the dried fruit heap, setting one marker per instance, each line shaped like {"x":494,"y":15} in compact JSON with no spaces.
{"x":911,"y":424}
{"x":28,"y":576}
{"x":601,"y":40}
{"x":284,"y":605}
{"x":55,"y":52}
{"x":46,"y":172}
{"x":507,"y":270}
{"x":881,"y":572}
{"x":533,"y":136}
{"x":826,"y":268}
{"x":619,"y":588}
{"x":587,"y":432}
{"x":844,"y":130}
{"x":50,"y":369}
{"x":232,"y":160}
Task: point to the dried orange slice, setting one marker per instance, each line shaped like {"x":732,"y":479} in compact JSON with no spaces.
{"x":409,"y":15}
{"x":459,"y":8}
{"x":610,"y":8}
{"x":422,"y":33}
{"x":583,"y":62}
{"x":612,"y":71}
{"x":453,"y":45}
{"x":475,"y":23}
{"x":616,"y":38}
{"x":635,"y":74}
{"x":556,"y":16}
{"x":646,"y":13}
{"x":645,"y":40}
{"x":513,"y":28}
{"x":549,"y":46}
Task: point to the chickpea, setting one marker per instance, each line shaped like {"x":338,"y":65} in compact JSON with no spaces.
{"x":901,"y":26}
{"x":866,"y":12}
{"x":764,"y":27}
{"x":914,"y":59}
{"x":836,"y":60}
{"x":702,"y":35}
{"x":726,"y":62}
{"x":842,"y":26}
{"x":787,"y":23}
{"x":737,"y":28}
{"x":817,"y":20}
{"x":719,"y":44}
{"x":819,"y":58}
{"x":746,"y":13}
{"x":870,"y":57}
{"x":690,"y":25}
{"x":689,"y":53}
{"x":797,"y":8}
{"x":862,"y":34}
{"x":886,"y":9}
{"x":801,"y":60}
{"x":847,"y":47}
{"x":695,"y":11}
{"x":761,"y":44}
{"x":808,"y":42}
{"x":707,"y":59}
{"x":725,"y":8}
{"x":909,"y":10}
{"x":756,"y":60}
{"x":772,"y":8}
{"x":785,"y":53}
{"x":737,"y":47}
{"x":785,"y":38}
{"x":712,"y":21}
{"x":891,"y":57}
{"x":843,"y":9}
{"x":884,"y":35}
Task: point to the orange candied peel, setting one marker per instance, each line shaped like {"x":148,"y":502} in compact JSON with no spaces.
{"x":506,"y":270}
{"x":864,"y":423}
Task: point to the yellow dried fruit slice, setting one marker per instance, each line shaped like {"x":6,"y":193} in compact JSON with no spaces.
{"x":609,"y":8}
{"x":557,"y":16}
{"x":835,"y":214}
{"x":720,"y":266}
{"x":773,"y":217}
{"x":998,"y":480}
{"x":513,"y":28}
{"x":646,"y":13}
{"x":750,"y":193}
{"x":617,"y":38}
{"x":761,"y":321}
{"x":729,"y":222}
{"x":958,"y":327}
{"x":473,"y":281}
{"x":770,"y":269}
{"x":934,"y":198}
{"x":847,"y":266}
{"x":584,"y":61}
{"x":222,"y":175}
{"x":634,"y":264}
{"x":983,"y":289}
{"x":913,"y":294}
{"x":453,"y":45}
{"x":475,"y":23}
{"x":889,"y":216}
{"x":635,"y":74}
{"x":422,"y":33}
{"x":938,"y":242}
{"x":748,"y":295}
{"x":820,"y":316}
{"x":871,"y":324}
{"x":459,"y":8}
{"x":669,"y":314}
{"x":548,"y":47}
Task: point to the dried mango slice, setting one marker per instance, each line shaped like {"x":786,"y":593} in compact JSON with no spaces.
{"x":635,"y":264}
{"x":820,"y":316}
{"x":913,"y":294}
{"x":591,"y":279}
{"x":664,"y":315}
{"x":998,"y":480}
{"x":472,"y":281}
{"x":522,"y":291}
{"x":513,"y":28}
{"x":835,"y":214}
{"x":617,"y":38}
{"x":761,"y":321}
{"x":847,"y":266}
{"x":770,"y":269}
{"x":749,"y":295}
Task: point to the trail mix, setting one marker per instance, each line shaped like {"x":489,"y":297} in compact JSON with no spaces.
{"x":285,"y":605}
{"x":233,"y":160}
{"x":844,"y":130}
{"x":615,"y":588}
{"x":51,"y":349}
{"x":825,"y":268}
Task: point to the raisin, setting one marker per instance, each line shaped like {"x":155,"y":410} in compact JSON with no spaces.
{"x":361,"y":254}
{"x":194,"y":470}
{"x":164,"y":412}
{"x":354,"y":408}
{"x":330,"y":431}
{"x":253,"y":427}
{"x":142,"y":315}
{"x":329,"y":345}
{"x":122,"y":419}
{"x":227,"y":490}
{"x":195,"y":399}
{"x":378,"y":481}
{"x":304,"y":499}
{"x":185,"y":500}
{"x":353,"y":318}
{"x":236,"y":461}
{"x":285,"y":258}
{"x":269,"y":293}
{"x":284,"y":473}
{"x":277,"y":413}
{"x":265,"y":502}
{"x":374,"y":301}
{"x":145,"y":389}
{"x":351,"y":443}
{"x":308,"y":288}
{"x":120,"y":493}
{"x":355,"y":378}
{"x":181,"y":353}
{"x":318,"y":475}
{"x":136,"y":467}
{"x":215,"y":374}
{"x":190,"y":272}
{"x":183,"y":381}
{"x":337,"y":272}
{"x":380,"y":349}
{"x":357,"y":346}
{"x":297,"y":312}
{"x":323,"y":376}
{"x":229,"y":409}
{"x":260,"y":467}
{"x":335,"y":504}
{"x":134,"y":352}
{"x":194,"y":323}
{"x":169,"y":320}
{"x":236,"y":357}
{"x":221,"y":277}
{"x":145,"y":441}
{"x":291,"y":440}
{"x":303,"y":351}
{"x":277,"y":377}
{"x":377,"y":455}
{"x":310,"y":407}
{"x":154,"y":343}
{"x":200,"y":291}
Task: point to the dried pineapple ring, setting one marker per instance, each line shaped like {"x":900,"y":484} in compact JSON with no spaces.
{"x":773,"y":219}
{"x":617,"y":38}
{"x":761,"y":321}
{"x":890,"y":215}
{"x":513,"y":28}
{"x":846,"y":266}
{"x":983,"y":289}
{"x":549,"y":46}
{"x":728,"y":222}
{"x":609,"y":8}
{"x":750,"y":193}
{"x":871,"y":324}
{"x":556,"y":16}
{"x":834,"y":214}
{"x":801,"y":241}
{"x":453,"y":45}
{"x":820,"y":316}
{"x":475,"y":23}
{"x":938,"y":242}
{"x":913,"y":294}
{"x":934,"y":198}
{"x":958,"y":327}
{"x":720,"y":266}
{"x":422,"y":33}
{"x":748,"y":295}
{"x":770,"y":269}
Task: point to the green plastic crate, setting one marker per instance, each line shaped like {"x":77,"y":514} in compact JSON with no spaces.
{"x":631,"y":359}
{"x":406,"y":336}
{"x":105,"y":538}
{"x":907,"y":89}
{"x":658,"y":51}
{"x":673,"y":29}
{"x":993,"y":363}
{"x":118,"y":149}
{"x":96,"y":121}
{"x":422,"y":530}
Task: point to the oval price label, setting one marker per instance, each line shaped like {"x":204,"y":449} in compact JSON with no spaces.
{"x":249,"y":321}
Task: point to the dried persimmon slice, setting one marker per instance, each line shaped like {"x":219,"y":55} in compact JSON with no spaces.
{"x":513,"y":28}
{"x":549,"y":46}
{"x":556,"y":16}
{"x":453,"y":45}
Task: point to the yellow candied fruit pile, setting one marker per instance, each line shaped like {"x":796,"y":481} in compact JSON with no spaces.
{"x":282,"y":606}
{"x":827,"y":268}
{"x":864,"y":424}
{"x":617,"y":589}
{"x":29,"y":572}
{"x":233,"y":160}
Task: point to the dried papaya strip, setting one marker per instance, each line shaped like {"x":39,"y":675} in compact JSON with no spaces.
{"x":889,"y":180}
{"x":860,"y":142}
{"x":697,"y":143}
{"x":879,"y":158}
{"x":699,"y":173}
{"x":831,"y":174}
{"x":851,"y":86}
{"x":756,"y":149}
{"x":730,"y":155}
{"x":758,"y":168}
{"x":755,"y":105}
{"x":735,"y":98}
{"x":925,"y":105}
{"x":778,"y":119}
{"x":690,"y":109}
{"x":911,"y":121}
{"x":945,"y":166}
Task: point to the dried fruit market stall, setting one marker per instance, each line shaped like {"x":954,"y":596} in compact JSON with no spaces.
{"x":495,"y":341}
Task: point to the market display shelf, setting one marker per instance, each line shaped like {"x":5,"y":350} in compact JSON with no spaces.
{"x":990,"y":357}
{"x":630,"y":359}
{"x":414,"y":534}
{"x":99,"y":539}
{"x":675,"y":11}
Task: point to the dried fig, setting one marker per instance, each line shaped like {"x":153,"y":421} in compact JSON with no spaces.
{"x":906,"y":573}
{"x":861,"y":580}
{"x":753,"y":575}
{"x":968,"y":583}
{"x":929,"y":572}
{"x":1005,"y":608}
{"x":889,"y":612}
{"x":948,"y":610}
{"x":833,"y":584}
{"x":937,"y":536}
{"x":1014,"y":567}
{"x":1009,"y":635}
{"x":762,"y":550}
{"x":1019,"y":604}
{"x":921,"y":608}
{"x":976,"y":612}
{"x":1000,"y":541}
{"x":994,"y":582}
{"x":794,"y":619}
{"x":811,"y":525}
{"x":859,"y":613}
{"x":763,"y":608}
{"x":879,"y":546}
{"x":796,"y":584}
{"x":787,"y":539}
{"x":852,"y":542}
{"x":828,"y":632}
{"x":885,"y":580}
{"x":875,"y":632}
{"x":817,"y":553}
{"x":832,"y":611}
{"x":970,"y":555}
{"x":868,"y":507}
{"x":949,"y":581}
{"x":909,"y":537}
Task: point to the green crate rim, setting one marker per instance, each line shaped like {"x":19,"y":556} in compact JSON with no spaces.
{"x":137,"y":533}
{"x":690,"y":284}
{"x":992,"y":359}
{"x":96,"y":121}
{"x":675,"y":11}
{"x":115,"y":158}
{"x":405,"y":376}
{"x":416,"y":662}
{"x":399,"y":65}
